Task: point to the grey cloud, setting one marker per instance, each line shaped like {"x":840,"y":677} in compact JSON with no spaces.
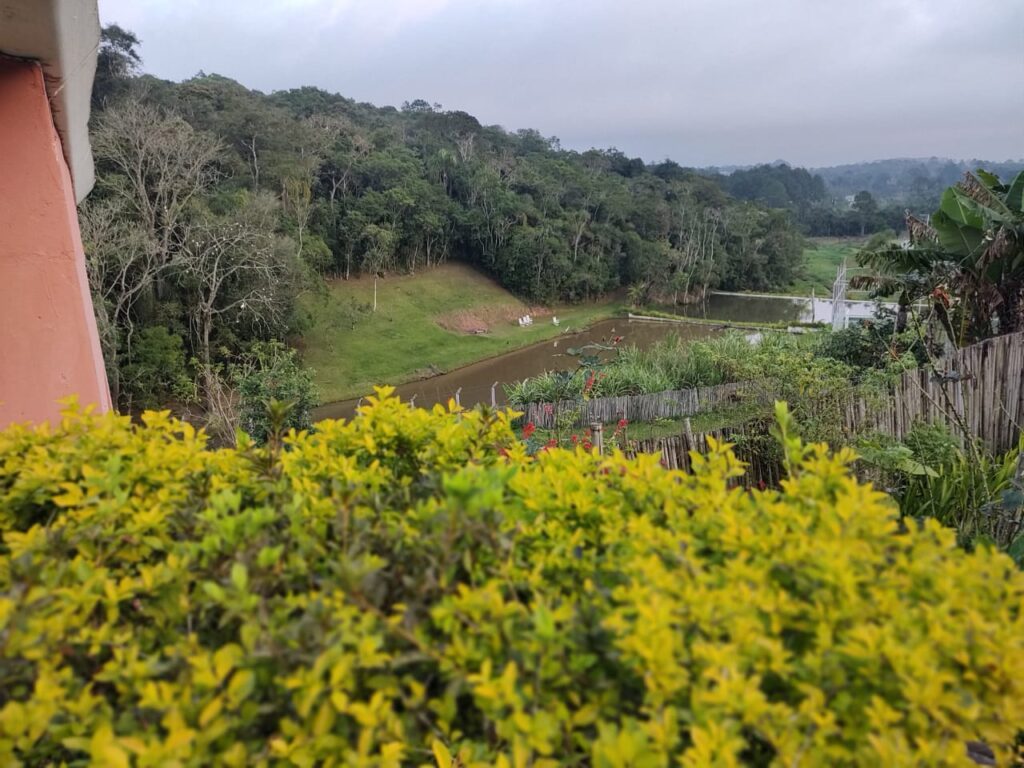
{"x":701,"y":81}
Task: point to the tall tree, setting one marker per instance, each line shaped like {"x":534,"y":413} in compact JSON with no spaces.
{"x":157,"y":165}
{"x":233,"y":269}
{"x":123,"y":266}
{"x":117,"y":61}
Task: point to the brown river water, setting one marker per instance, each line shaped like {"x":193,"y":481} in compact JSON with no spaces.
{"x":476,"y":380}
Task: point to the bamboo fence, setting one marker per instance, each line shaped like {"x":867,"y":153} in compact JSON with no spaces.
{"x":638,"y":408}
{"x":763,"y":467}
{"x":978,"y":394}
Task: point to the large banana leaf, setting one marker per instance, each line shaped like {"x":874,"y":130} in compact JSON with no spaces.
{"x":991,"y":181}
{"x":898,"y":260}
{"x":1015,"y":197}
{"x":961,"y":209}
{"x":987,"y":194}
{"x":965,"y":242}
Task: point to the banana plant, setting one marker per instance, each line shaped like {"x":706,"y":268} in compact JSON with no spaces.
{"x":967,"y":260}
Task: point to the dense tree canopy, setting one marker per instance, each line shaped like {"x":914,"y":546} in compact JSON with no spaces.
{"x":817,"y":208}
{"x":378,"y":189}
{"x":911,"y":183}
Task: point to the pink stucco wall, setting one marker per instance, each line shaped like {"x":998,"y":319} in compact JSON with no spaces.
{"x":49,"y":347}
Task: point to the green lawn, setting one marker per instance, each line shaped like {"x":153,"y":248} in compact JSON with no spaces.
{"x":351,"y":349}
{"x":822,"y":258}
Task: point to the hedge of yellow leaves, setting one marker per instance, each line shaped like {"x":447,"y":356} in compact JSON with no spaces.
{"x":411,"y":589}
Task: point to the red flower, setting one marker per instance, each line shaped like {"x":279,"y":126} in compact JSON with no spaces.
{"x":622,"y":423}
{"x":528,"y":430}
{"x":587,"y":445}
{"x":574,"y":439}
{"x":552,"y":443}
{"x":939,"y":294}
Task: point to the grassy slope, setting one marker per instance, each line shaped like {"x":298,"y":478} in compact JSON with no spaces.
{"x":822,"y":258}
{"x":402,"y":340}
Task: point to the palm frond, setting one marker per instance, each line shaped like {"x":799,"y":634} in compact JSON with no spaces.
{"x":898,"y":260}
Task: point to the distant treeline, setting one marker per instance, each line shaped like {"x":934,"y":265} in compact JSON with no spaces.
{"x":916,"y":184}
{"x":856,"y":199}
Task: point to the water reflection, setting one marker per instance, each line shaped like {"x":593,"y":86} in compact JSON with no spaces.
{"x":762,"y":308}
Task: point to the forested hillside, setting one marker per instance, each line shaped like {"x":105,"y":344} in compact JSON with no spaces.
{"x":916,"y":183}
{"x":367,"y":189}
{"x":807,"y":199}
{"x":855,"y":199}
{"x":217,"y":206}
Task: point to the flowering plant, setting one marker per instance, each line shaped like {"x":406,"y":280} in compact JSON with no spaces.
{"x":412,"y":588}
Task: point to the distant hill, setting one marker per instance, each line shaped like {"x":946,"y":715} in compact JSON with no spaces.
{"x":821,"y":199}
{"x":914,"y":182}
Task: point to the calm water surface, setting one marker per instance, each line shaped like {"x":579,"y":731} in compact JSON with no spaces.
{"x":760,"y":308}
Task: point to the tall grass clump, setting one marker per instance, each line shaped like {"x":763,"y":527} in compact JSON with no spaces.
{"x":964,"y":486}
{"x":674,"y":363}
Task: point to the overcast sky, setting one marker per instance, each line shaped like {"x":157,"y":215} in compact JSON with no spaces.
{"x":814,"y":82}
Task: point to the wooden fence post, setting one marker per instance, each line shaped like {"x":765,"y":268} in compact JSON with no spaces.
{"x":597,"y":436}
{"x":494,"y":397}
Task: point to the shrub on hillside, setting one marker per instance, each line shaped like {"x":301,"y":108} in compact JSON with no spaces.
{"x":270,"y":371}
{"x":874,"y":345}
{"x":963,"y":486}
{"x":157,"y":373}
{"x":411,"y":588}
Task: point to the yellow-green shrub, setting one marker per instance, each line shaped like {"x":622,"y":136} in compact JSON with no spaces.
{"x":410,"y":589}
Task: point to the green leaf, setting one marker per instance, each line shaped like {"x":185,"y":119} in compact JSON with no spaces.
{"x":268,"y":556}
{"x":544,"y":622}
{"x":1015,"y":197}
{"x":961,"y":209}
{"x":214,"y":590}
{"x":990,"y":180}
{"x":962,"y":241}
{"x":441,"y":754}
{"x":239,"y":576}
{"x":914,"y":467}
{"x":1016,"y":550}
{"x":241,"y":685}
